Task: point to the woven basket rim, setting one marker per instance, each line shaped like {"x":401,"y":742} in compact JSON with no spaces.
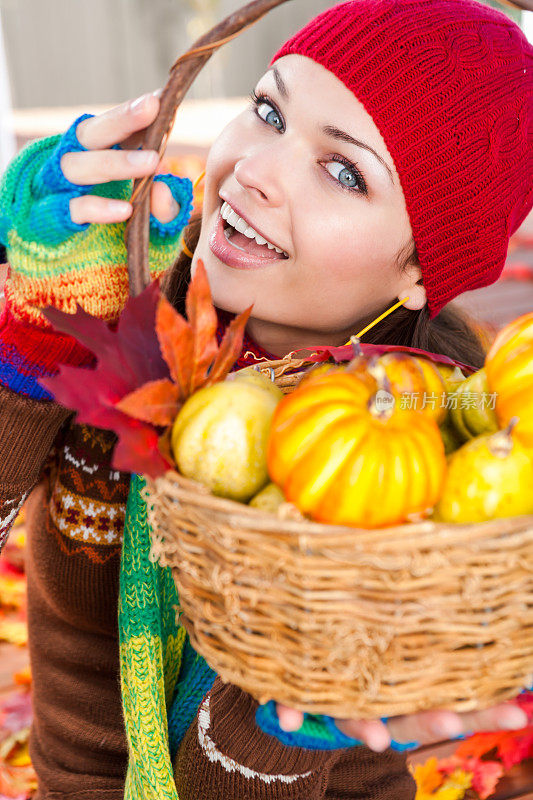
{"x":234,"y":511}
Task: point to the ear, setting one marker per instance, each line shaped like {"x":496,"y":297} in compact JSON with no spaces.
{"x":415,"y":290}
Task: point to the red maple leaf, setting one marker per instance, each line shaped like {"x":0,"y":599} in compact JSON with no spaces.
{"x":347,"y":352}
{"x":145,"y":369}
{"x":126,"y":358}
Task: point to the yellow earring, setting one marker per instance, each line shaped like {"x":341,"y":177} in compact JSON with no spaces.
{"x":378,"y":319}
{"x":198,"y":180}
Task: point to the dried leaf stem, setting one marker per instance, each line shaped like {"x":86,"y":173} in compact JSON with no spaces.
{"x":181,"y":77}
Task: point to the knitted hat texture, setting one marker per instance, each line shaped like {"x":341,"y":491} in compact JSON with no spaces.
{"x":449,"y":84}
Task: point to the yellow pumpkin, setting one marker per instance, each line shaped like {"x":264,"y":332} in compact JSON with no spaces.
{"x":509,"y":367}
{"x":347,"y":454}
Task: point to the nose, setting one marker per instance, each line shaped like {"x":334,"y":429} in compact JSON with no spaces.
{"x":259,"y":173}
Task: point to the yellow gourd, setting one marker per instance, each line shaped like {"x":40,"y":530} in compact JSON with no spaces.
{"x":489,"y":477}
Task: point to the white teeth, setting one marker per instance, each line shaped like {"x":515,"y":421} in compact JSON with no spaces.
{"x":232,"y":218}
{"x":241,"y":226}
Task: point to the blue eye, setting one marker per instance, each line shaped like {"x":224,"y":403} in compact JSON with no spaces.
{"x":346,"y":176}
{"x":261,"y":106}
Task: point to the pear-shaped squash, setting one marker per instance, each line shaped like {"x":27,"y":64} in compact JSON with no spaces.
{"x":220,"y":436}
{"x":489,"y":477}
{"x":472,"y":412}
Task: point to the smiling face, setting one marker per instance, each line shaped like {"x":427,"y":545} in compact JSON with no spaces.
{"x":334,"y":206}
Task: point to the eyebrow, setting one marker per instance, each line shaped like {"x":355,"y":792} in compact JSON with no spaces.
{"x":331,"y":130}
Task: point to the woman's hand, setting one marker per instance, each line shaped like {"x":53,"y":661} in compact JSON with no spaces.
{"x":426,"y":727}
{"x":121,"y":125}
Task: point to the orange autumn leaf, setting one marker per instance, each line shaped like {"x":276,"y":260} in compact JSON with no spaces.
{"x":512,"y":747}
{"x":230,"y":347}
{"x":189,"y":347}
{"x":434,"y":784}
{"x":175,"y":337}
{"x":23,"y":678}
{"x":191,"y":353}
{"x":156,"y":402}
{"x":202,"y":318}
{"x":427,"y":777}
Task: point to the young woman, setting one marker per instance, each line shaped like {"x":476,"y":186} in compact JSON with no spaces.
{"x":386,"y":154}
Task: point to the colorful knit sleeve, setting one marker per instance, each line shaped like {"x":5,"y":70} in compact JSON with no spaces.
{"x":56,"y":262}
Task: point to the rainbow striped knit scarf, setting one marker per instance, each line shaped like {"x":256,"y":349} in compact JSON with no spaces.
{"x":163,"y":679}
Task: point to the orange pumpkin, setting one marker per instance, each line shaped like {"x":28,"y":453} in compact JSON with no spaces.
{"x":414,"y":377}
{"x":348,"y":454}
{"x":509,"y":368}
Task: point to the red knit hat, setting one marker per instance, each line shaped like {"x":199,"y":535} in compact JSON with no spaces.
{"x":449,"y":84}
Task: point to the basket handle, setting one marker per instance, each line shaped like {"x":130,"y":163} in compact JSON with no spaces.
{"x":182,"y":75}
{"x":526,"y":5}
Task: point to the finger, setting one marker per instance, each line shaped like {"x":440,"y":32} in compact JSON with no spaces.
{"x":426,"y":727}
{"x":100,"y":210}
{"x":163,"y":206}
{"x":115,"y":125}
{"x":370,"y":731}
{"x":101,"y":166}
{"x":289,"y":718}
{"x":506,"y":716}
{"x":434,"y":726}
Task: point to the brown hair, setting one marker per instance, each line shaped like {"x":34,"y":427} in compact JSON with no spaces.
{"x":449,"y":333}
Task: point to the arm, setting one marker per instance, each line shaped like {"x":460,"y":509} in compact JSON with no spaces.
{"x":225,"y":754}
{"x":65,"y":239}
{"x":63,"y":205}
{"x":27,"y":432}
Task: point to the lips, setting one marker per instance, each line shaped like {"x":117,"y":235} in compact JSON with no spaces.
{"x":234,"y":257}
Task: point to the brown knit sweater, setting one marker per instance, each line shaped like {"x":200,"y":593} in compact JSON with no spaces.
{"x":75,"y":523}
{"x":78,"y":745}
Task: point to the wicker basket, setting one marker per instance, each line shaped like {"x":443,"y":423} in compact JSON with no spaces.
{"x":343,"y":621}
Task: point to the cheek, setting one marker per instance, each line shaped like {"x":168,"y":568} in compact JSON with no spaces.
{"x":226,"y":150}
{"x":346,"y":245}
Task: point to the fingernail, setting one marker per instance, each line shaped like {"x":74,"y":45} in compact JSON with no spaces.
{"x":136,"y":104}
{"x":142,"y":158}
{"x":158,"y":92}
{"x":118,"y":207}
